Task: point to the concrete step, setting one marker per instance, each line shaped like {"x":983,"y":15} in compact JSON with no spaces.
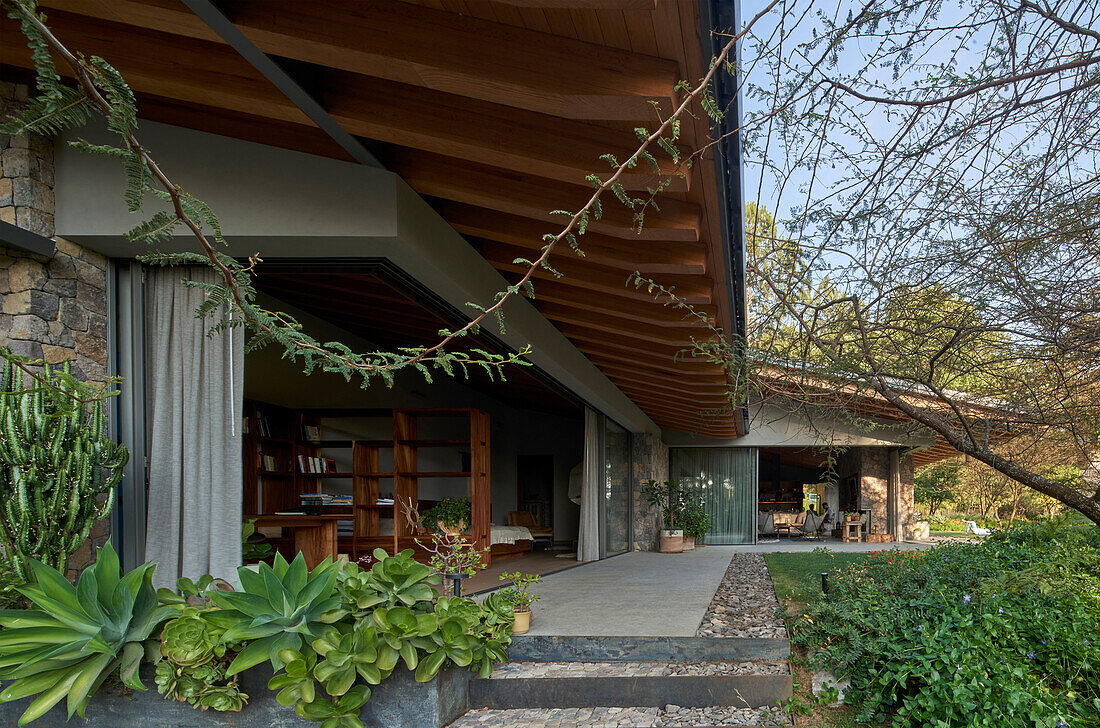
{"x":632,"y":685}
{"x":618,"y":717}
{"x":548,"y":648}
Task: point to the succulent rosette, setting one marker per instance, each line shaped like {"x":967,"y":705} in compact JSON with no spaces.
{"x":189,"y":640}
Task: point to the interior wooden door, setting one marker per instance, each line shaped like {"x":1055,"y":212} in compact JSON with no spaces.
{"x":535,"y":487}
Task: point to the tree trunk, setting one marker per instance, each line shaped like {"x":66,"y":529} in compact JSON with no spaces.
{"x":1075,"y":499}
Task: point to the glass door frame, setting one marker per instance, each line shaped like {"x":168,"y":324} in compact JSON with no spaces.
{"x":603,"y":515}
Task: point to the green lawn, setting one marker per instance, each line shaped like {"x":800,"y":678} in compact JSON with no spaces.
{"x":798,"y":576}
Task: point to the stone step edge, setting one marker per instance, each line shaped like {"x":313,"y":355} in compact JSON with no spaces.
{"x":554,"y":648}
{"x":507,"y":675}
{"x":689,"y":691}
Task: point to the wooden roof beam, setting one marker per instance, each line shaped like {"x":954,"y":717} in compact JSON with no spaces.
{"x":523,"y":195}
{"x":583,"y":4}
{"x":678,"y":353}
{"x":645,"y":256}
{"x":390,"y":112}
{"x":551,"y":293}
{"x":643,"y":331}
{"x":579,"y":272}
{"x":435,"y":49}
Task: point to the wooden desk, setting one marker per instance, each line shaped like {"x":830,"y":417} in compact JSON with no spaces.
{"x":314,"y":536}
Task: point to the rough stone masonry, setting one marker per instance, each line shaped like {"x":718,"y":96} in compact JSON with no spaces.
{"x":50,"y":308}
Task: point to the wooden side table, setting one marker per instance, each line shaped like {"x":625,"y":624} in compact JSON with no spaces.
{"x":853,"y":531}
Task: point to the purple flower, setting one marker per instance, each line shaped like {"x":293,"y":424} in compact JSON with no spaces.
{"x":1000,"y":610}
{"x":1031,"y":655}
{"x":1043,"y":641}
{"x":1061,"y":724}
{"x":966,"y":599}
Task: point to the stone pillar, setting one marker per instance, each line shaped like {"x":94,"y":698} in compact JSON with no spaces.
{"x":51,"y":309}
{"x":906,"y":498}
{"x":650,"y":462}
{"x":874,"y":470}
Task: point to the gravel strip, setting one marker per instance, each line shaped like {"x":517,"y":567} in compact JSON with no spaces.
{"x":745,"y":603}
{"x":672,"y":715}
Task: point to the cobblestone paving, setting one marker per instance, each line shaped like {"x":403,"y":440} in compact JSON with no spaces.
{"x":670,"y":715}
{"x":745,"y":603}
{"x":635,"y":669}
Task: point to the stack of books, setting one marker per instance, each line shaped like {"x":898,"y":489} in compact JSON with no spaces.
{"x":269,"y":463}
{"x":317,"y":500}
{"x":383,"y":502}
{"x":309,"y":464}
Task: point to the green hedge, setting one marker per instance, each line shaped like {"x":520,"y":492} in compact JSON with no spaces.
{"x":1001,"y":633}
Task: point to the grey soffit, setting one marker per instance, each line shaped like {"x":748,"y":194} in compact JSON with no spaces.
{"x":212,"y":15}
{"x":16,"y":237}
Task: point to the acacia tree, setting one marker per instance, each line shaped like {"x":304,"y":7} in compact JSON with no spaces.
{"x":935,"y":170}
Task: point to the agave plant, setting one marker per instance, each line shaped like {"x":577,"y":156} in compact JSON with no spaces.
{"x":280,"y":607}
{"x":76,"y":637}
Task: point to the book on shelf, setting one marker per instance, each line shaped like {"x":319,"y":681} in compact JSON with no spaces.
{"x":269,"y":463}
{"x":383,"y":501}
{"x":316,"y":465}
{"x":311,"y":433}
{"x":262,"y":426}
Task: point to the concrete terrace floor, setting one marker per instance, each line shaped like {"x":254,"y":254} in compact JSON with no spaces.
{"x":642,"y":594}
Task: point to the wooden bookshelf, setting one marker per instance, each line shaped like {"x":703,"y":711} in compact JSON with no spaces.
{"x":268,"y":491}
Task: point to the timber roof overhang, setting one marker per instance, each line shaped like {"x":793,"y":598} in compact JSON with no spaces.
{"x":494,"y":111}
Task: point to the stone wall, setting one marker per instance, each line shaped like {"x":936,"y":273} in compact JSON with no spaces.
{"x":52,"y":309}
{"x":874,"y":486}
{"x":650,"y":462}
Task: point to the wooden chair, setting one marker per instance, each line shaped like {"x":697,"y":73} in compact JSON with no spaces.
{"x":527,"y":520}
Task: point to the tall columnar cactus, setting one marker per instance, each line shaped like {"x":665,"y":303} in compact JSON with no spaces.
{"x":58,"y":470}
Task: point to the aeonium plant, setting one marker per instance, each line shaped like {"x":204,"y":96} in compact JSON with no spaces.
{"x":519,"y":594}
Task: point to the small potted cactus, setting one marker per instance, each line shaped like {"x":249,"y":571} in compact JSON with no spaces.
{"x":520,"y":597}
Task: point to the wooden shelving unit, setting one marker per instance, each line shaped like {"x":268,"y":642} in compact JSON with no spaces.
{"x":266,"y":492}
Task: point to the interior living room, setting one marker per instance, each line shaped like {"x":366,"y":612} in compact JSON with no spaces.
{"x":324,"y":457}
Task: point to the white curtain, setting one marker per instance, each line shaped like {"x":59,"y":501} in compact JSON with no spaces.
{"x":588,"y":536}
{"x":196,"y":405}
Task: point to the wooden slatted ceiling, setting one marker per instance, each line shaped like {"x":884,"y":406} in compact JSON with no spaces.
{"x":378,"y":308}
{"x":494,"y":110}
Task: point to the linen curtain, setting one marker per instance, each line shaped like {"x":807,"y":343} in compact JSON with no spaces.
{"x":588,"y":535}
{"x":727,"y":480}
{"x":196,"y":405}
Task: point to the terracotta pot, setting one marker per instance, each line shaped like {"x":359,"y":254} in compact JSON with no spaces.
{"x":522,"y":622}
{"x":689,"y":543}
{"x":672,"y":541}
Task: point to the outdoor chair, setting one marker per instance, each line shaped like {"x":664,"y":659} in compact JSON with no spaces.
{"x":812,"y":525}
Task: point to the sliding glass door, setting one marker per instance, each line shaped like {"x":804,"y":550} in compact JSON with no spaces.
{"x":726,"y":479}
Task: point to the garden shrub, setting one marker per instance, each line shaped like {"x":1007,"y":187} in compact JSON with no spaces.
{"x":1001,"y":633}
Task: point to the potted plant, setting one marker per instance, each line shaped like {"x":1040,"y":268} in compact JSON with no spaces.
{"x":450,"y":515}
{"x":696,"y":522}
{"x":520,"y":597}
{"x":665,"y":496}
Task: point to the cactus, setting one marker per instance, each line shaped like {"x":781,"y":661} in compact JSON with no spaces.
{"x":58,"y":470}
